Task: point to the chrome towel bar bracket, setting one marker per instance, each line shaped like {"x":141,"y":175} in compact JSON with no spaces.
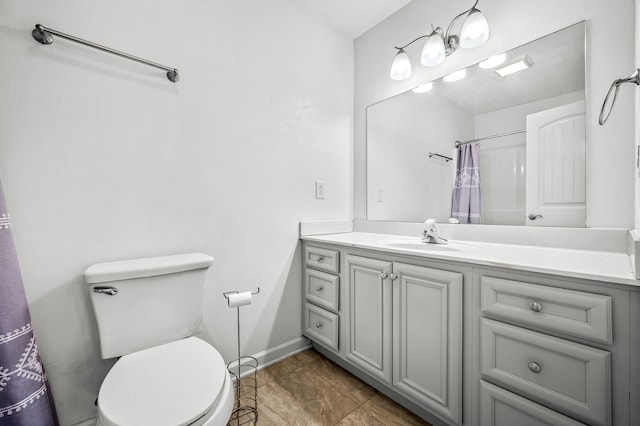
{"x":44,"y":35}
{"x":607,"y":105}
{"x":444,"y":157}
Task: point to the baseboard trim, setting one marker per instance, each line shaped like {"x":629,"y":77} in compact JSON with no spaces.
{"x":278,"y":353}
{"x":87,"y":422}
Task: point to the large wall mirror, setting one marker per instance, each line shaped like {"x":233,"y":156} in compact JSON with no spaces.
{"x":528,"y":126}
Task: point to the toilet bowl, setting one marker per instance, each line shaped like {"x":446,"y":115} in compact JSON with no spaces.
{"x":176,"y":384}
{"x":147,"y":312}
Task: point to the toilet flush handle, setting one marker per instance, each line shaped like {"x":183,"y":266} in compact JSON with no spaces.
{"x":111,"y":291}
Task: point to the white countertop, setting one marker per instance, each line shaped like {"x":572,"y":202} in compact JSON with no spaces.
{"x":612,"y":267}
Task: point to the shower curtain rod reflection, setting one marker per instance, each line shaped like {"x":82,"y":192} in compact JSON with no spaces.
{"x":499,"y":135}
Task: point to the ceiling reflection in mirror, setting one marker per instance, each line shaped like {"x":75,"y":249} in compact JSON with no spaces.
{"x":529,"y":127}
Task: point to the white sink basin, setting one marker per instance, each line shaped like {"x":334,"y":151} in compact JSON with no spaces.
{"x":419,"y":246}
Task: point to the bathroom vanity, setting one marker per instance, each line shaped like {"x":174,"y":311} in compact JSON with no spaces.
{"x":479,"y":333}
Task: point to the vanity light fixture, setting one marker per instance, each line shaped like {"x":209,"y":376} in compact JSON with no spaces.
{"x":423,"y":88}
{"x":440,"y":44}
{"x":493,"y":61}
{"x":401,"y":67}
{"x":520,"y":65}
{"x":455,"y":76}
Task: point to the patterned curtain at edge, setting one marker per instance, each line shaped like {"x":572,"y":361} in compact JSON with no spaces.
{"x":25,"y":398}
{"x":467,"y":204}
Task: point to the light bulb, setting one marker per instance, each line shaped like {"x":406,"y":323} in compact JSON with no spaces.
{"x":521,"y":65}
{"x":455,"y":76}
{"x":493,"y":61}
{"x":433,"y":52}
{"x":401,"y":66}
{"x":423,"y":88}
{"x":475,"y":30}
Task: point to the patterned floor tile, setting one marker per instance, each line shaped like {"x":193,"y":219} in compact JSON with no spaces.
{"x":308,"y":390}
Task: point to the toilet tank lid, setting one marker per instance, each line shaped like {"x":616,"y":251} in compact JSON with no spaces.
{"x":145,"y":267}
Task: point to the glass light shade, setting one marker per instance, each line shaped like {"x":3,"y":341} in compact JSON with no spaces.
{"x":475,"y":30}
{"x":433,"y":52}
{"x":401,"y":66}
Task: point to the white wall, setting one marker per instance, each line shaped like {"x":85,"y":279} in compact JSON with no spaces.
{"x":402,"y":132}
{"x":104,"y":159}
{"x":610,"y":33}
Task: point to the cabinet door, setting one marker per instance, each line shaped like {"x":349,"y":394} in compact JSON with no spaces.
{"x":427,"y":330}
{"x":369,"y":315}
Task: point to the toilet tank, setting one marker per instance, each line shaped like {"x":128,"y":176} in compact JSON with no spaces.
{"x":141,"y":303}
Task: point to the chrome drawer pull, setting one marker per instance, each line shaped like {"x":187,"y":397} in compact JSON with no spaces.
{"x":318,"y":324}
{"x":319,"y":288}
{"x":111,"y":291}
{"x":320,"y":259}
{"x":534,"y":367}
{"x":535,"y":306}
{"x":384,"y":275}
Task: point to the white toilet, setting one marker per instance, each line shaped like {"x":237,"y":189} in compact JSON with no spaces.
{"x":147,"y":311}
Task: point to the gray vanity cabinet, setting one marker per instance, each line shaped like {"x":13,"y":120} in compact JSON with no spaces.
{"x":369,"y":322}
{"x":537,"y":349}
{"x":320,"y":316}
{"x":546,"y":346}
{"x":427,"y":337}
{"x":404,"y":327}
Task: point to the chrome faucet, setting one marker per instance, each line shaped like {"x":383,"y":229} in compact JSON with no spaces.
{"x":430,"y":233}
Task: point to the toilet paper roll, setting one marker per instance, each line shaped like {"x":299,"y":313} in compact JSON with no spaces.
{"x":239,"y":299}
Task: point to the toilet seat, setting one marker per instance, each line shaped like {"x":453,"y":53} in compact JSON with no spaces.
{"x":175,"y":384}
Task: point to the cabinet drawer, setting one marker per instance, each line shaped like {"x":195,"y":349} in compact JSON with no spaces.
{"x":499,"y":407}
{"x":574,"y":313}
{"x":568,"y":377}
{"x":320,"y":258}
{"x":322,"y":289}
{"x":321,"y":325}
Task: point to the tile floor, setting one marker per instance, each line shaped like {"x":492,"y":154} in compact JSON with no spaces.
{"x":308,"y":389}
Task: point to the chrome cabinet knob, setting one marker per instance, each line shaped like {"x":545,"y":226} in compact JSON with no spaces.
{"x":534,"y":216}
{"x":393,"y":277}
{"x":319,"y":288}
{"x":535,"y":306}
{"x":318,"y":324}
{"x":384,"y":275}
{"x":534,"y":367}
{"x":320,"y":259}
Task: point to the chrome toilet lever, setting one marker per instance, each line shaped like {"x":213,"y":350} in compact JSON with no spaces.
{"x":111,"y":291}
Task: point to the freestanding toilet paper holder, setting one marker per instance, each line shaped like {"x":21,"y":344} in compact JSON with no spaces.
{"x":244,"y":371}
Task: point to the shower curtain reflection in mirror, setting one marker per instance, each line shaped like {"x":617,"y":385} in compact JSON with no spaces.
{"x":467,"y":204}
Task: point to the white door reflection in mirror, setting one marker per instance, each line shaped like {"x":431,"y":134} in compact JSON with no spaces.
{"x":556,"y":167}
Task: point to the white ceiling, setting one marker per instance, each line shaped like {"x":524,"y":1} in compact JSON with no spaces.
{"x":353,"y":17}
{"x":558,"y":67}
